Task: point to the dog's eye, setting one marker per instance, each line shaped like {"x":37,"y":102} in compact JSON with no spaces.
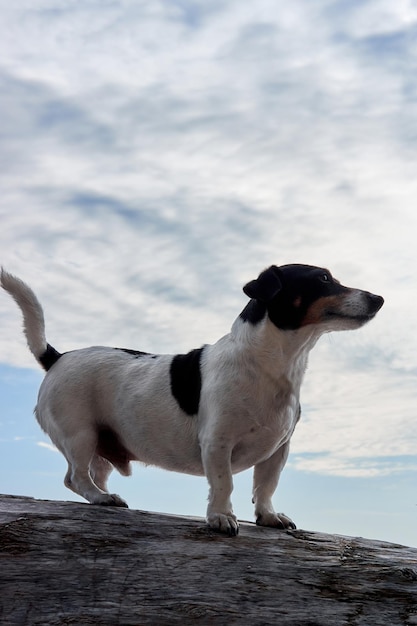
{"x":325,"y":278}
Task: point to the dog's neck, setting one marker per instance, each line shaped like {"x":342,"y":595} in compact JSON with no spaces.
{"x":275,"y":349}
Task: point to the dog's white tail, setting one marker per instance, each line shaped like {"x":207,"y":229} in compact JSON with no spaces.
{"x":33,"y":320}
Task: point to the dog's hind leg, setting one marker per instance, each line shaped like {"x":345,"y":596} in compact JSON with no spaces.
{"x":100,"y":470}
{"x":79,"y":451}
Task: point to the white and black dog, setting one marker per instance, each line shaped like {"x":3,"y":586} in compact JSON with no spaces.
{"x":215,"y":411}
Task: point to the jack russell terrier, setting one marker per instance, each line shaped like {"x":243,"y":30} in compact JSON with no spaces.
{"x":216,"y":411}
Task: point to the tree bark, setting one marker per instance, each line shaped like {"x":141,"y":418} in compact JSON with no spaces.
{"x":70,"y":563}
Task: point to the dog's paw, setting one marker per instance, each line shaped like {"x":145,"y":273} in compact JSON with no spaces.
{"x":222,"y":523}
{"x":275,"y":520}
{"x":111,"y":499}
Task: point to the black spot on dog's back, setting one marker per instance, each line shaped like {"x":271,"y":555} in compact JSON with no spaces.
{"x":185,"y":375}
{"x":135,"y":353}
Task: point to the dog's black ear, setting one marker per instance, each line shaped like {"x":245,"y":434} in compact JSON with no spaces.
{"x":266,"y":286}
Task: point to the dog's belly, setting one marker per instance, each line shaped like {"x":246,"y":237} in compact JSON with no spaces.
{"x":183,"y":456}
{"x":166,"y":440}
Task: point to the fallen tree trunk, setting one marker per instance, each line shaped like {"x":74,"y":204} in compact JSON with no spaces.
{"x":69,"y":563}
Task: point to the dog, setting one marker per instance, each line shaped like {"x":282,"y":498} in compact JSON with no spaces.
{"x":216,"y":411}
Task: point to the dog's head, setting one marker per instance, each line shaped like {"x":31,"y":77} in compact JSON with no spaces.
{"x":298,"y":295}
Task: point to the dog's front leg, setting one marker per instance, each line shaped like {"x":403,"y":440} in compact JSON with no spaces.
{"x":218,"y":469}
{"x":265,"y":481}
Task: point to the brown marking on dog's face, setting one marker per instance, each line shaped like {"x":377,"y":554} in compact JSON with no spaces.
{"x":319,"y":310}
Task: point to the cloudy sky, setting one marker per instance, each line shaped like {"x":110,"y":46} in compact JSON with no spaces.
{"x":155,"y":156}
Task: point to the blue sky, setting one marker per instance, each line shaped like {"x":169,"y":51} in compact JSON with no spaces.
{"x":156,"y":156}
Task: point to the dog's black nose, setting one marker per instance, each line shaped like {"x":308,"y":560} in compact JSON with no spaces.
{"x":376,"y":302}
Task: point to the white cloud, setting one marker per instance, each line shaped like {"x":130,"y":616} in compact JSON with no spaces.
{"x":48,"y":446}
{"x":158,"y":156}
{"x":380,"y":17}
{"x":335,"y":465}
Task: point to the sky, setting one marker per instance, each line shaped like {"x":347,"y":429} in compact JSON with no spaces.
{"x":155,"y":157}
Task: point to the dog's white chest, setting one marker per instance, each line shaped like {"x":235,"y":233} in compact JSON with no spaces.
{"x":265,"y":425}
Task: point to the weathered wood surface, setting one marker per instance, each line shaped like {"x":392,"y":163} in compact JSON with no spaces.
{"x":69,"y":563}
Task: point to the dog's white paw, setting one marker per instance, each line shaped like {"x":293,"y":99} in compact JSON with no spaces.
{"x":275,"y":520}
{"x":111,"y":499}
{"x":227,"y":524}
